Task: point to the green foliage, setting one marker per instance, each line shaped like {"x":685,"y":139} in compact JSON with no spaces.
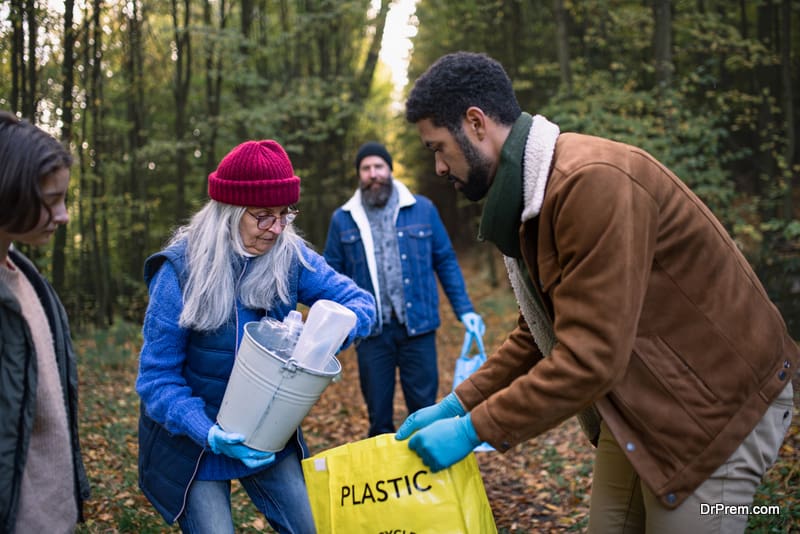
{"x":687,"y":143}
{"x":721,"y":126}
{"x":299,"y":72}
{"x":779,"y":488}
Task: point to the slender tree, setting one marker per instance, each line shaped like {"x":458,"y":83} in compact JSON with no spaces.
{"x":68,"y":82}
{"x":213,"y":88}
{"x":95,"y":264}
{"x":240,"y":86}
{"x":788,"y":105}
{"x":29,"y":93}
{"x":183,"y":78}
{"x":135,"y":217}
{"x":662,"y":43}
{"x":562,"y":44}
{"x":765,"y":83}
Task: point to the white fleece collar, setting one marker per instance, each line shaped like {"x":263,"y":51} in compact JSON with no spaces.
{"x":536,"y":168}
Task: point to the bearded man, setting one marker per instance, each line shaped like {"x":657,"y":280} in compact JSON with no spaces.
{"x":638,"y":314}
{"x":391,"y":242}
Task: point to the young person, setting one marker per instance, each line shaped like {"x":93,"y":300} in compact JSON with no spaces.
{"x":43,"y":482}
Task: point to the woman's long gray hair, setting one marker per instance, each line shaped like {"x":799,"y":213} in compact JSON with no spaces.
{"x":213,"y":241}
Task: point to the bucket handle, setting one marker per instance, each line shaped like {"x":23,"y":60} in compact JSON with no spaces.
{"x":290,"y":366}
{"x":288,"y":369}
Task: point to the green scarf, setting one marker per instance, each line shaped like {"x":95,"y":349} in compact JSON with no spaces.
{"x":501,"y":213}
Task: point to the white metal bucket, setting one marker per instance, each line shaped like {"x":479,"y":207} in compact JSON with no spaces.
{"x":267,"y":397}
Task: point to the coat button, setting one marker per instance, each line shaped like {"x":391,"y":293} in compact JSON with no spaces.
{"x":671,"y":498}
{"x":782,"y":375}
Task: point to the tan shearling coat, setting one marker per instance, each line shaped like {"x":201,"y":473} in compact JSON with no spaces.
{"x":659,"y":320}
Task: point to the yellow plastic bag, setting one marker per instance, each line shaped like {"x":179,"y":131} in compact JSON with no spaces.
{"x":378,"y":485}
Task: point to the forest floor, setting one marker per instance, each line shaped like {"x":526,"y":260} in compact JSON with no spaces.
{"x":541,"y":486}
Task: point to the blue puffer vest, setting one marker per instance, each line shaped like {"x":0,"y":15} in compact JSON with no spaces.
{"x":168,"y":463}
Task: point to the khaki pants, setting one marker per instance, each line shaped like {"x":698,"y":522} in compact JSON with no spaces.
{"x":622,"y":504}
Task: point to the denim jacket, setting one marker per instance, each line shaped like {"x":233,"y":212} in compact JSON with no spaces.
{"x":425,"y":248}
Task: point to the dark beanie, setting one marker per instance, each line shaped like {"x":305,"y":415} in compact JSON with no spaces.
{"x":373,"y":148}
{"x":255,"y":173}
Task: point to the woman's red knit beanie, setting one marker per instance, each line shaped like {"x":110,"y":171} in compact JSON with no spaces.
{"x":255,"y":173}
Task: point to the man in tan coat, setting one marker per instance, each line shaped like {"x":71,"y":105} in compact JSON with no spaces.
{"x":638,"y":314}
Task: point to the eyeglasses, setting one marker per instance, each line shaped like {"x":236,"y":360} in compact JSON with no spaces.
{"x":265,"y":222}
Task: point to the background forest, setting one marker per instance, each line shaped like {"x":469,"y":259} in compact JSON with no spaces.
{"x":150,"y":94}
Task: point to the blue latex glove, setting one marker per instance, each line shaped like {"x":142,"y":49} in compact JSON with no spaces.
{"x":445,"y":442}
{"x":232,"y":445}
{"x":473,"y":323}
{"x":449,"y":406}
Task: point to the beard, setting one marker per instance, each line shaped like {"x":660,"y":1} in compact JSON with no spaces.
{"x":376,"y":194}
{"x":478,"y":179}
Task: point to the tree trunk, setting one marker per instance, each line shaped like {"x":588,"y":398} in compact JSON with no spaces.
{"x":68,"y":81}
{"x":135,"y":214}
{"x":29,"y":94}
{"x":213,"y":82}
{"x":17,"y":54}
{"x":240,"y":89}
{"x":562,"y":44}
{"x":364,"y":79}
{"x":788,"y":104}
{"x":97,"y":219}
{"x":662,"y":43}
{"x":766,"y":88}
{"x":183,"y":75}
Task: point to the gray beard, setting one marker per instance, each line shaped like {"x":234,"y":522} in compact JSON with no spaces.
{"x":377,"y":197}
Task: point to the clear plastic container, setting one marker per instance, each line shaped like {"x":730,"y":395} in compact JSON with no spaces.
{"x":327,"y":326}
{"x":294,"y":326}
{"x":280,"y":337}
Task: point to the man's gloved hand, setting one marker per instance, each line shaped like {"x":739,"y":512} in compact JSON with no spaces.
{"x":232,"y":445}
{"x":445,"y":442}
{"x":449,"y":406}
{"x":473,"y":323}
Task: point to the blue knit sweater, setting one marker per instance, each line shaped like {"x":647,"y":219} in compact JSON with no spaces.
{"x":166,"y":393}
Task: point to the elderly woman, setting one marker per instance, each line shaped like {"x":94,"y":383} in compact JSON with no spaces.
{"x":238,"y":259}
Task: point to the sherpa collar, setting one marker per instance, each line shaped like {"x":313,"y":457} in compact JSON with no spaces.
{"x":538,"y":158}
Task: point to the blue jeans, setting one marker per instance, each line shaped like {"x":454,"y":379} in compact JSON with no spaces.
{"x":279,"y":492}
{"x":379,"y":356}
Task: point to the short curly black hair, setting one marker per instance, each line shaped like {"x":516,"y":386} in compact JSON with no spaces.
{"x":457,"y":81}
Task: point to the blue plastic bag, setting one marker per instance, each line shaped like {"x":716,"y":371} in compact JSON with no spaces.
{"x":466,"y":365}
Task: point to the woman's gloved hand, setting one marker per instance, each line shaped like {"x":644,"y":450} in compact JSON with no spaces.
{"x":232,"y":445}
{"x":445,"y":442}
{"x":449,"y":406}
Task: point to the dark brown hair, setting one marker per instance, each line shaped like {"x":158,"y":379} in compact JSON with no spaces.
{"x":27,"y":154}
